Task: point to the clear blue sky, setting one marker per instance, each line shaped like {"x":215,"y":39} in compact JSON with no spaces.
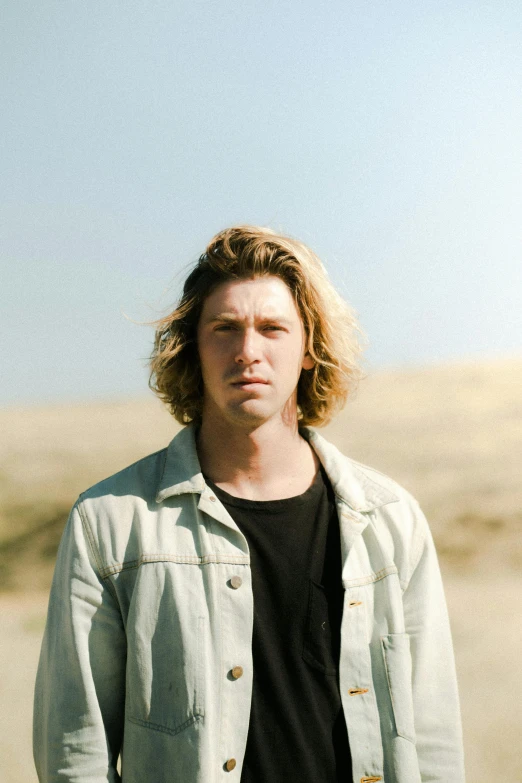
{"x":387,"y":135}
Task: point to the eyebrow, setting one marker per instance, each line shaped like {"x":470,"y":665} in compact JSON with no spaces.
{"x":234,"y":319}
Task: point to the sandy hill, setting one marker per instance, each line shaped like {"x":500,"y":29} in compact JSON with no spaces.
{"x":450,"y":433}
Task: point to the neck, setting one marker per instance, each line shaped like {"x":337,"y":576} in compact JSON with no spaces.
{"x":268,"y":462}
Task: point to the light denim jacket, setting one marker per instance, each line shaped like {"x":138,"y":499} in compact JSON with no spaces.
{"x":145,"y":626}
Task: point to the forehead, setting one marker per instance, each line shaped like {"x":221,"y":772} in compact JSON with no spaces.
{"x":264,"y":297}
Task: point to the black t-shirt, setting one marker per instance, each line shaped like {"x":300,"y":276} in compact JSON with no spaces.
{"x":297,"y":732}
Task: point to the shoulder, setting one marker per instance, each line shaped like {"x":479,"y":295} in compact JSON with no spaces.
{"x":112,"y":512}
{"x":403,"y":522}
{"x":137,"y":491}
{"x":139,"y":480}
{"x":363,"y":487}
{"x":383,"y":480}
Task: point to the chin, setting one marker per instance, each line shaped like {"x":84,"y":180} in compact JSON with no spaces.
{"x":250,"y":413}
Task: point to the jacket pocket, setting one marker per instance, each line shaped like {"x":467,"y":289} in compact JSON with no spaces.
{"x":165,"y":656}
{"x":321,"y":638}
{"x":398,"y":665}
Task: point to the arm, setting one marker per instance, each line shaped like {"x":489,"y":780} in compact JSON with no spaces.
{"x":80,"y":685}
{"x":435,"y":694}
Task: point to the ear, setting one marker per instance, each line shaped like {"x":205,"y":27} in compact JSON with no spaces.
{"x":308,"y":362}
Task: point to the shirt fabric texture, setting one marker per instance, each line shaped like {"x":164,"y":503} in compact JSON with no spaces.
{"x":151,"y":610}
{"x":297,"y":732}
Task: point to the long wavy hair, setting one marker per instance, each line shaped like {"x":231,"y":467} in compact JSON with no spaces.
{"x":334,"y":338}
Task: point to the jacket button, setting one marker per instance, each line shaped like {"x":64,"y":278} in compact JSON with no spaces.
{"x":230,"y":765}
{"x":212,"y":498}
{"x":237,"y":672}
{"x":236,"y":582}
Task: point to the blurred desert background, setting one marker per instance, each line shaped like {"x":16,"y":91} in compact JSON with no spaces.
{"x":451,"y":433}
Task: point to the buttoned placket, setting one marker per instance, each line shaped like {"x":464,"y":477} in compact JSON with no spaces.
{"x":236,"y":624}
{"x":355,"y":671}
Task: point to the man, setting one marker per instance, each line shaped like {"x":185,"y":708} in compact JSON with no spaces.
{"x":249,"y":604}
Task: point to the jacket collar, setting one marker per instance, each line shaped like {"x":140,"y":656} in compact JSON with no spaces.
{"x":181,"y":469}
{"x":351,"y":482}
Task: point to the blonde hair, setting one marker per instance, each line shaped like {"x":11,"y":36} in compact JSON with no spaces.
{"x":333,"y":336}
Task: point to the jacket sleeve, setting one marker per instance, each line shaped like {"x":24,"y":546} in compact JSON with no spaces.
{"x":80,"y":684}
{"x":435,"y":694}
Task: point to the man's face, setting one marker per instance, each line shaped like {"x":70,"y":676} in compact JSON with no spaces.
{"x":251,"y":344}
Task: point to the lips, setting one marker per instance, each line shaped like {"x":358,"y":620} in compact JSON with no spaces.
{"x":249,"y":380}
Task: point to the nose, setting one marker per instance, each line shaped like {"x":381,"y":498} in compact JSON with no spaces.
{"x":248,"y":348}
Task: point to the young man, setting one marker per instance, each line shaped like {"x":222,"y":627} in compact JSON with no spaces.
{"x":249,"y":604}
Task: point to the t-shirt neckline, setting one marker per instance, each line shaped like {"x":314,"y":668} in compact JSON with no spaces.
{"x":280,"y":504}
